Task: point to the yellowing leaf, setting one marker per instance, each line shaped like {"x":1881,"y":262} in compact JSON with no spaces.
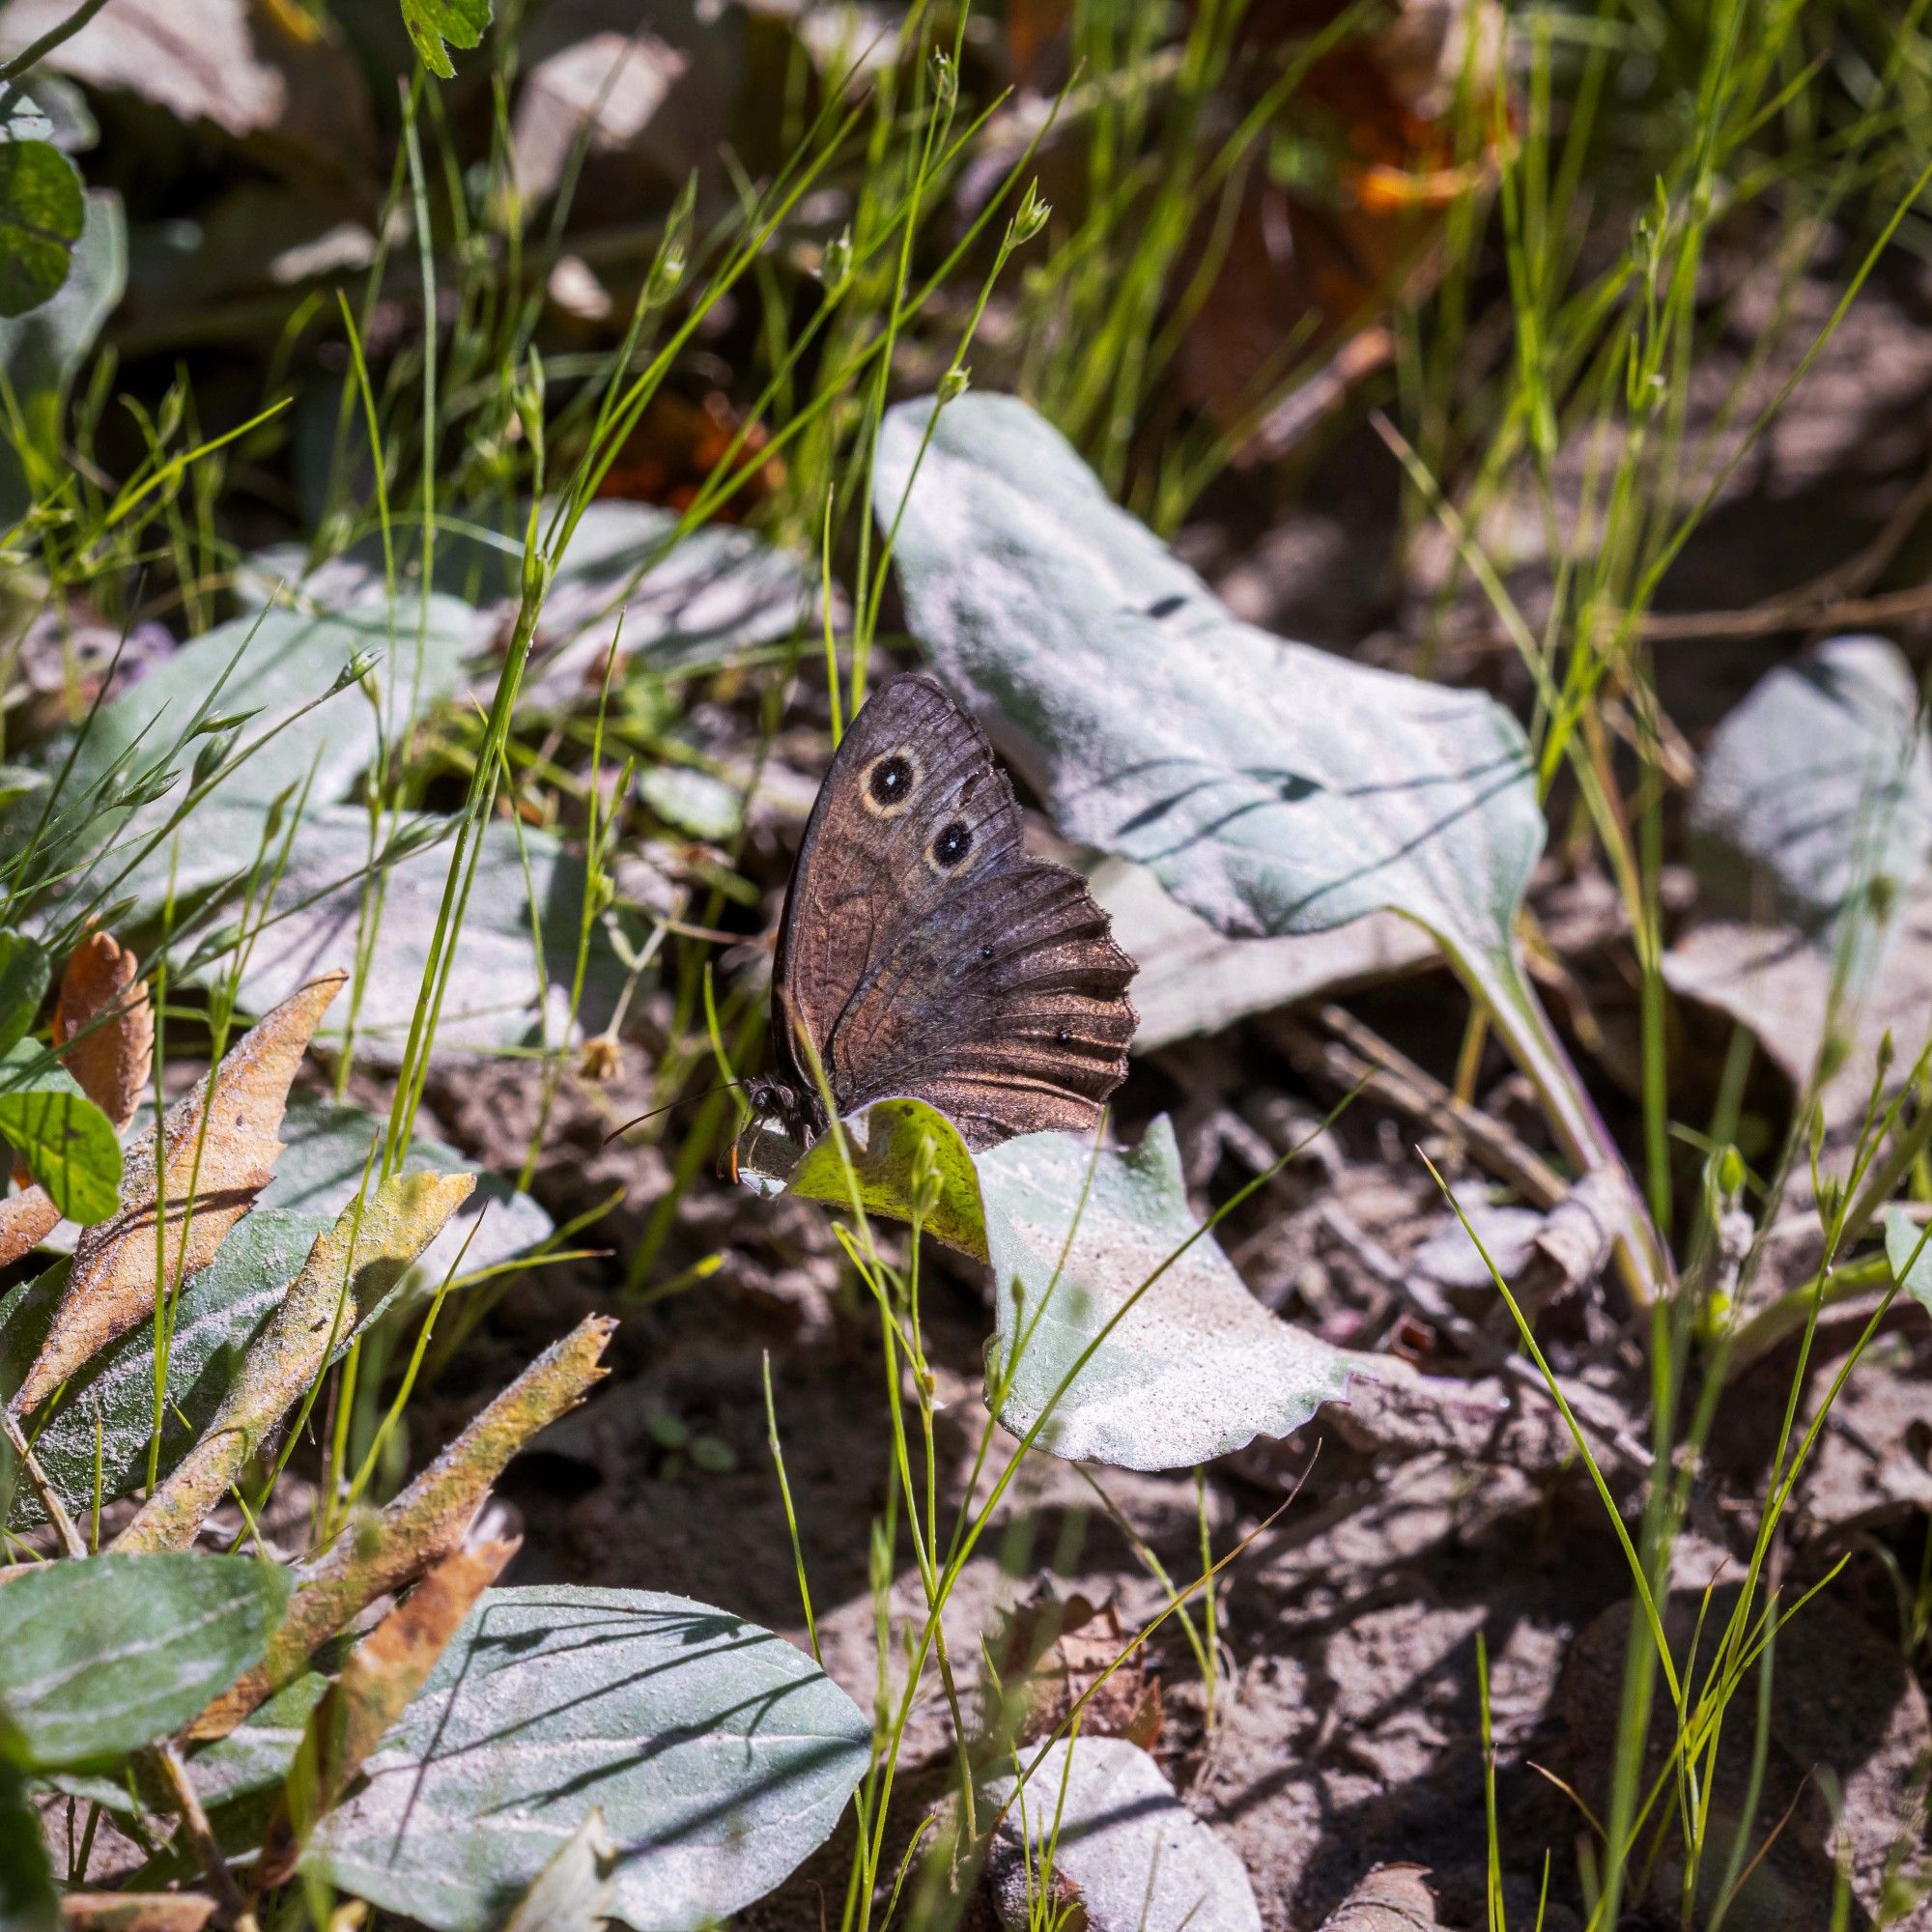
{"x":422,"y":1525}
{"x":349,"y":1271}
{"x":216,"y":1147}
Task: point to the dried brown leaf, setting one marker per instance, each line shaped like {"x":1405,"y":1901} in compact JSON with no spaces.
{"x":1054,"y":1653}
{"x":387,"y":1670}
{"x":1392,"y":1898}
{"x":26,"y":1218}
{"x":104,"y":1026}
{"x":348,"y":1271}
{"x":218,"y":1146}
{"x":136,"y":1912}
{"x":422,"y":1525}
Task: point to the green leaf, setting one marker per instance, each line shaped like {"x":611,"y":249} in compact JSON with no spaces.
{"x":67,"y":1142}
{"x":718,"y":1754}
{"x":41,"y":352}
{"x":433,"y":22}
{"x":216,"y":1314}
{"x":28,"y":1900}
{"x":1091,"y":1251}
{"x":109,"y":1653}
{"x":1272,"y":787}
{"x":23,"y":985}
{"x":43,"y":212}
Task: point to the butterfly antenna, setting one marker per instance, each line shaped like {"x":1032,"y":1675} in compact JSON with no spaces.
{"x":689,"y":1100}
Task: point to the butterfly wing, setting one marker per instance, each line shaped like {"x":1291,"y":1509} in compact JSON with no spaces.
{"x":927,"y":954}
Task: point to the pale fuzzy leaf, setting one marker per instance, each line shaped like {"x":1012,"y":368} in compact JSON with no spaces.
{"x":1271,"y":787}
{"x":423,"y":1524}
{"x":104,"y":1026}
{"x":719,"y":1756}
{"x":298,"y":96}
{"x":219,"y":1145}
{"x":217,"y":1314}
{"x":1182,"y":1370}
{"x":109,"y":1653}
{"x":573,"y":1892}
{"x":500,"y":992}
{"x":1192,"y":981}
{"x":716,"y":593}
{"x":350,"y":1272}
{"x":1124,"y":1847}
{"x":1811,"y":828}
{"x":1817,"y":783}
{"x":1909,"y":1254}
{"x":327,"y":1146}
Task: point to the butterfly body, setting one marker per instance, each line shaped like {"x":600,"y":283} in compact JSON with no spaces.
{"x":923,"y":954}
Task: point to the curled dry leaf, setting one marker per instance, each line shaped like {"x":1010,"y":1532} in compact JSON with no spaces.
{"x":136,"y":1912}
{"x":26,"y":1219}
{"x":349,"y":1271}
{"x":386,"y":1669}
{"x":219,"y":1145}
{"x":1392,"y":1898}
{"x":422,"y":1525}
{"x":104,"y":1026}
{"x":1053,"y":1654}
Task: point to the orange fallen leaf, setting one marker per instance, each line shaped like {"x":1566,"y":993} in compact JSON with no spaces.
{"x":136,"y":1912}
{"x":216,"y":1148}
{"x":349,"y":1269}
{"x":26,"y":1218}
{"x":104,"y":1026}
{"x":421,"y":1526}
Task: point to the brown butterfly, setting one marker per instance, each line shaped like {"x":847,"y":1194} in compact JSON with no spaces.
{"x":924,"y":955}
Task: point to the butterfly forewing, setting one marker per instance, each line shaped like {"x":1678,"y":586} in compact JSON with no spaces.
{"x":927,"y":955}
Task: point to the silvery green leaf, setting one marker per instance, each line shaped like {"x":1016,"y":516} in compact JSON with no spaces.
{"x":502,"y":990}
{"x":108,"y":1653}
{"x":718,"y":1754}
{"x":1817,"y":787}
{"x":1122,"y":1323}
{"x":217,"y":1314}
{"x":1194,"y":980}
{"x":1811,"y":829}
{"x":325,"y":1146}
{"x":1272,"y":787}
{"x":270,"y":663}
{"x":1135,"y":1857}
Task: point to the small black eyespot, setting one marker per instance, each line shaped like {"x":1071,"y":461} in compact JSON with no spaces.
{"x":890,"y":780}
{"x":1064,"y":1037}
{"x":986,"y":951}
{"x":952,"y":844}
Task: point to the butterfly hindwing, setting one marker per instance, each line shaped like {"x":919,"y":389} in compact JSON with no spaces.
{"x":927,"y":954}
